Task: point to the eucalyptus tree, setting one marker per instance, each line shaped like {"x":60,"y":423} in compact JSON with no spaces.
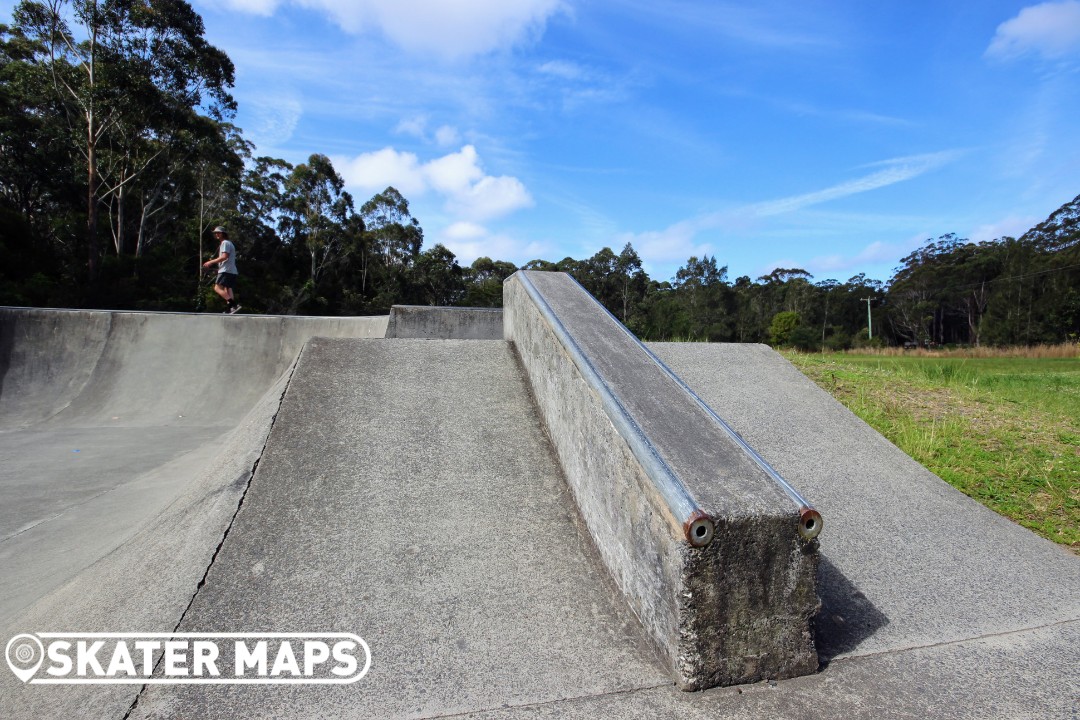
{"x":128,"y":73}
{"x":396,"y":234}
{"x":631,"y":282}
{"x":28,"y":136}
{"x":393,"y":237}
{"x":436,"y":278}
{"x":484,"y":282}
{"x":314,"y":211}
{"x":916,"y":290}
{"x":702,"y":290}
{"x":216,"y":165}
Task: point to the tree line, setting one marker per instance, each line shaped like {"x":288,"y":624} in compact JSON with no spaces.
{"x":118,"y":156}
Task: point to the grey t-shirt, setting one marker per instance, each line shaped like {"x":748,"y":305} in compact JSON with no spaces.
{"x":228,"y":265}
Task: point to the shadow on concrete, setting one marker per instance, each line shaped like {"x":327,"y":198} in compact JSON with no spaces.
{"x":7,"y":344}
{"x":846,"y":618}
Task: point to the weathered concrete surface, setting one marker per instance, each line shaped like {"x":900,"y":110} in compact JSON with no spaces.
{"x":1029,"y":676}
{"x":644,"y":459}
{"x":105,"y":416}
{"x":907,"y":561}
{"x":445,"y":323}
{"x":144,"y":583}
{"x":909,"y":630}
{"x":85,"y":367}
{"x":419,"y":506}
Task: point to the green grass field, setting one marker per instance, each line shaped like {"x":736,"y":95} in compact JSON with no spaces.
{"x":1004,"y":429}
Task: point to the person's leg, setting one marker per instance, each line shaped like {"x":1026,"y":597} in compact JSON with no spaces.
{"x":224,"y":288}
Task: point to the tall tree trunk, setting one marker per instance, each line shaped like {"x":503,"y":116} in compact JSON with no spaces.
{"x":93,"y":249}
{"x":120,"y":199}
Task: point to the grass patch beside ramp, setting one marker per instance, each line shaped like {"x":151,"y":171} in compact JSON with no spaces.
{"x":1004,"y":430}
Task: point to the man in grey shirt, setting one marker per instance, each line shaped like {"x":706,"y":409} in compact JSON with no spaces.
{"x":225,"y":283}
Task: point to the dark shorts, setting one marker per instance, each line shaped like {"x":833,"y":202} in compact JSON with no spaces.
{"x":226,"y":280}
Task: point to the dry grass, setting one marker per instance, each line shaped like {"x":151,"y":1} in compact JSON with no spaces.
{"x":1035,"y":352}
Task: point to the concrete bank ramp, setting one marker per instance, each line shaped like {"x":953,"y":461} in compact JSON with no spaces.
{"x":418,"y":505}
{"x":907,"y":561}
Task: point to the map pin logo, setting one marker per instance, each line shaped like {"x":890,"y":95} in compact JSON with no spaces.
{"x":24,"y":656}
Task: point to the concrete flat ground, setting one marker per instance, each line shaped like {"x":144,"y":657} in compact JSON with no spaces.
{"x":404,"y":490}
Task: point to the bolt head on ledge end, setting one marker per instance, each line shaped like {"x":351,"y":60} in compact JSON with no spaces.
{"x":809,"y":523}
{"x":699,"y":529}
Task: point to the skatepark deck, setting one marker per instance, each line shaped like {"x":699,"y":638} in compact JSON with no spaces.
{"x":407,"y":491}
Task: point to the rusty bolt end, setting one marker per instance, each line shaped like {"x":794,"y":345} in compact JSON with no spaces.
{"x":698,"y":529}
{"x":809,"y":523}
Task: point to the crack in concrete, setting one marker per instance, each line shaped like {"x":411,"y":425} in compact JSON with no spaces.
{"x":958,"y":641}
{"x":545,"y":703}
{"x":228,"y":529}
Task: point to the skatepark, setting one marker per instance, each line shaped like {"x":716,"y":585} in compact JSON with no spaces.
{"x":523,"y":513}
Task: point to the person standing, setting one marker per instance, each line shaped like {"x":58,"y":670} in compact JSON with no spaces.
{"x":225,"y":284}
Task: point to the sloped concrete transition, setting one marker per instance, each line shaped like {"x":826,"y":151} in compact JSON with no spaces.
{"x":524,"y":513}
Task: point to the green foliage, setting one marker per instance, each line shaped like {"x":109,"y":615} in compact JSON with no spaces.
{"x":1007,"y":292}
{"x":1005,"y":431}
{"x":126,"y":83}
{"x":782,"y":327}
{"x":111,"y":181}
{"x":484,"y":282}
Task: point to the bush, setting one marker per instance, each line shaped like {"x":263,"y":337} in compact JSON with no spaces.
{"x":781,"y":327}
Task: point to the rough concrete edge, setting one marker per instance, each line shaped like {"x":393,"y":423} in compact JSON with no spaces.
{"x":203,"y":513}
{"x":444,"y":323}
{"x":639,"y":515}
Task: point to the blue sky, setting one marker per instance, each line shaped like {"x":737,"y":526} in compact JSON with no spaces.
{"x":830,"y":136}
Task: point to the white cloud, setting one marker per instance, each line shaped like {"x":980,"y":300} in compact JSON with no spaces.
{"x":1050,"y":29}
{"x":468,"y":192}
{"x":895,"y":170}
{"x":415,"y":126}
{"x":492,"y":197}
{"x":680,"y":240}
{"x":873,"y":254}
{"x":563,"y":69}
{"x":1012,"y":226}
{"x":447,"y":136}
{"x":449,"y":29}
{"x":454,"y":174}
{"x":373,"y":172}
{"x":469,"y":241}
{"x":464,"y":231}
{"x":273,"y":119}
{"x":672,"y":244}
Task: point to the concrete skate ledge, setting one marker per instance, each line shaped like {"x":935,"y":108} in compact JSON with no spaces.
{"x":445,"y":323}
{"x":713,"y":551}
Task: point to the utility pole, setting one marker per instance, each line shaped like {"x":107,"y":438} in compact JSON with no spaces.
{"x":869,"y":320}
